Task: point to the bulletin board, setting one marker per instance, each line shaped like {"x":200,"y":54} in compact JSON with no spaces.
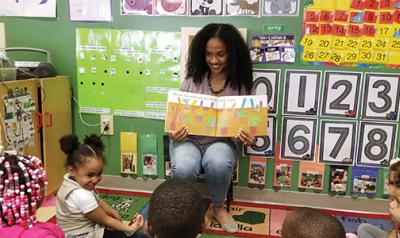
{"x":343,"y":102}
{"x":126,"y":72}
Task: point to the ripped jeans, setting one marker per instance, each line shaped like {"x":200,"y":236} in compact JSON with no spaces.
{"x":218,"y":160}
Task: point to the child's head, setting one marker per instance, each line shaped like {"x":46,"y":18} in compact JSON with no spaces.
{"x":307,"y":222}
{"x":394,"y":178}
{"x":84,"y":161}
{"x":176,"y":210}
{"x":22,"y":185}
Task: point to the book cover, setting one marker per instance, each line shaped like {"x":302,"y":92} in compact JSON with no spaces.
{"x":216,"y":116}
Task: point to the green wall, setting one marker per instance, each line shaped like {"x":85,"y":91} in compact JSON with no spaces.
{"x":58,"y":37}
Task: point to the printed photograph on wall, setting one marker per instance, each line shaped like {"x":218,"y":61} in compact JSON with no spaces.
{"x":205,"y":7}
{"x":281,"y":8}
{"x":136,"y":7}
{"x":128,"y":163}
{"x":149,"y":164}
{"x":243,"y":7}
{"x":338,"y":179}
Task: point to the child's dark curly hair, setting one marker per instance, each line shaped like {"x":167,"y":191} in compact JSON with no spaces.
{"x":176,"y":210}
{"x":239,"y":70}
{"x":395,"y":167}
{"x":77,"y":152}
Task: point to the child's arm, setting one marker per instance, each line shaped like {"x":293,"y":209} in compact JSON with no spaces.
{"x":98,"y":215}
{"x":109,"y":210}
{"x":393,"y":234}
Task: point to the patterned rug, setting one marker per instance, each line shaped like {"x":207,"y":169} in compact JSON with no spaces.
{"x":255,"y":220}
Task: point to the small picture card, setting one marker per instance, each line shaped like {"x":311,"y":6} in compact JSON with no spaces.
{"x":128,"y":163}
{"x":235,"y":175}
{"x":338,"y":179}
{"x":272,"y":48}
{"x":311,"y":175}
{"x":257,"y":170}
{"x":149,"y":165}
{"x":364,"y":181}
{"x":282,"y":174}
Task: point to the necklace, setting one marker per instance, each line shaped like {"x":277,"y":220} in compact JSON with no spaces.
{"x":219,"y":90}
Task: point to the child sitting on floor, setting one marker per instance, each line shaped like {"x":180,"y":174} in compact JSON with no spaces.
{"x":366,"y":230}
{"x":22,"y":185}
{"x":307,"y":222}
{"x":80,"y":211}
{"x":176,"y":210}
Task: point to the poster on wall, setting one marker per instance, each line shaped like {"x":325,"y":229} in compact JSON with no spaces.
{"x":170,"y":7}
{"x":281,"y":8}
{"x":272,"y":48}
{"x":206,"y":7}
{"x":139,"y":66}
{"x":351,"y":33}
{"x":242,"y":7}
{"x":141,"y":7}
{"x":92,"y":10}
{"x":18,"y":118}
{"x":19,"y":8}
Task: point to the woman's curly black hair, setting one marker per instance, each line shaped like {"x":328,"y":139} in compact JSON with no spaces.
{"x":239,"y":69}
{"x":77,"y":152}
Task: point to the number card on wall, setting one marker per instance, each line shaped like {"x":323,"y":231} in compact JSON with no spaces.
{"x":298,"y":138}
{"x":301,"y":92}
{"x":377,"y":142}
{"x":266,"y":82}
{"x":336,"y":145}
{"x":341,"y":94}
{"x":265,"y":145}
{"x":381,"y":96}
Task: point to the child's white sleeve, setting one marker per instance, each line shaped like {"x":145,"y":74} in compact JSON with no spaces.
{"x":81,"y":201}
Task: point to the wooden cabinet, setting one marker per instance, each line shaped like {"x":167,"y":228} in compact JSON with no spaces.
{"x":51,"y":119}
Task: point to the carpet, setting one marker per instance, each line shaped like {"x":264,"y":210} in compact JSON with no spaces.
{"x":255,"y":220}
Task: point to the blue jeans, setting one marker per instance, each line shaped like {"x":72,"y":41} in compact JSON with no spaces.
{"x":218,"y":160}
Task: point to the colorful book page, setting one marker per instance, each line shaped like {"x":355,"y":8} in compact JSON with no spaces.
{"x":216,"y":116}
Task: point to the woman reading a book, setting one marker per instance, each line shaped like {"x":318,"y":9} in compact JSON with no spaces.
{"x":218,"y":64}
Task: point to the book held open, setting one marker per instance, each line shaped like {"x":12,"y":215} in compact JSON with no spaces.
{"x":216,"y":116}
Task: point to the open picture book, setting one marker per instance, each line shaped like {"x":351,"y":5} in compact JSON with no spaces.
{"x":216,"y":116}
